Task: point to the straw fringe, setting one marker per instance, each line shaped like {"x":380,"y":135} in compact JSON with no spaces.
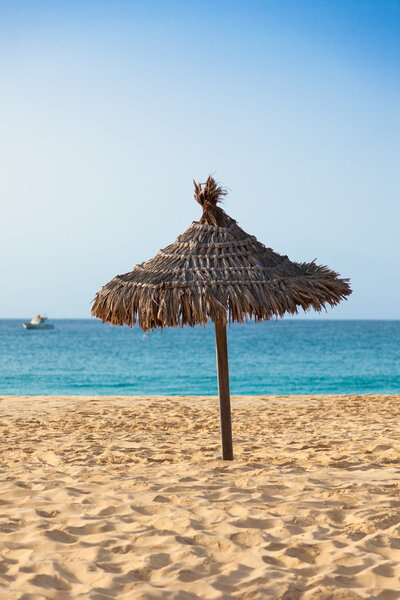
{"x":216,"y":271}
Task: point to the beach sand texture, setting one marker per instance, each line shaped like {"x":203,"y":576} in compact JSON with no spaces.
{"x":122,"y":498}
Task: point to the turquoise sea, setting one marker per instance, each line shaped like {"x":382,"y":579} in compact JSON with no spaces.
{"x":275,"y":357}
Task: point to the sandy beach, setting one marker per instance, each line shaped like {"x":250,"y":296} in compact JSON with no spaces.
{"x":122,"y":497}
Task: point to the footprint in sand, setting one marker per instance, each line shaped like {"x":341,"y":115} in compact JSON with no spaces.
{"x":122,"y":549}
{"x":48,"y":457}
{"x":47,"y":514}
{"x":50,"y":582}
{"x":56,"y":535}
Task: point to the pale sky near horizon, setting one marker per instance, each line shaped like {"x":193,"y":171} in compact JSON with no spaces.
{"x":108,"y":110}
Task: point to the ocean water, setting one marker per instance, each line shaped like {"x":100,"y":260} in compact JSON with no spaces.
{"x":275,"y":357}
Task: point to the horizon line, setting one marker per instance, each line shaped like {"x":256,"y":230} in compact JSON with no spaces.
{"x":289,"y":317}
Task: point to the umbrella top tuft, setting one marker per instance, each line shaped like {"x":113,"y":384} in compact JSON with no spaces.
{"x":208,"y":194}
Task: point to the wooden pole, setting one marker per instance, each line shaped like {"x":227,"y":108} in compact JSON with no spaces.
{"x":223,"y":390}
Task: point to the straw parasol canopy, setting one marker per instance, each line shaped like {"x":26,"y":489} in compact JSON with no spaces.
{"x":216,"y":271}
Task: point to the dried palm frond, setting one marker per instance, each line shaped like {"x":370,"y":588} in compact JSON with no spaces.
{"x":215,"y":270}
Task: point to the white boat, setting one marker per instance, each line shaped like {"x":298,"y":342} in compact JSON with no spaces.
{"x":37,"y":322}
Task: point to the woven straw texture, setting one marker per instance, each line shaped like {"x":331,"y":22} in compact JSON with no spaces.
{"x":216,"y":271}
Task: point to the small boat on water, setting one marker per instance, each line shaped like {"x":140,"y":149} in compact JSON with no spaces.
{"x":37,"y":322}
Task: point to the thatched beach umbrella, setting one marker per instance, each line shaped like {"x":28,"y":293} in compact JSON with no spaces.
{"x":216,"y":271}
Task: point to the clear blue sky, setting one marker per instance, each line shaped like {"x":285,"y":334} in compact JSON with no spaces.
{"x":109,"y":109}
